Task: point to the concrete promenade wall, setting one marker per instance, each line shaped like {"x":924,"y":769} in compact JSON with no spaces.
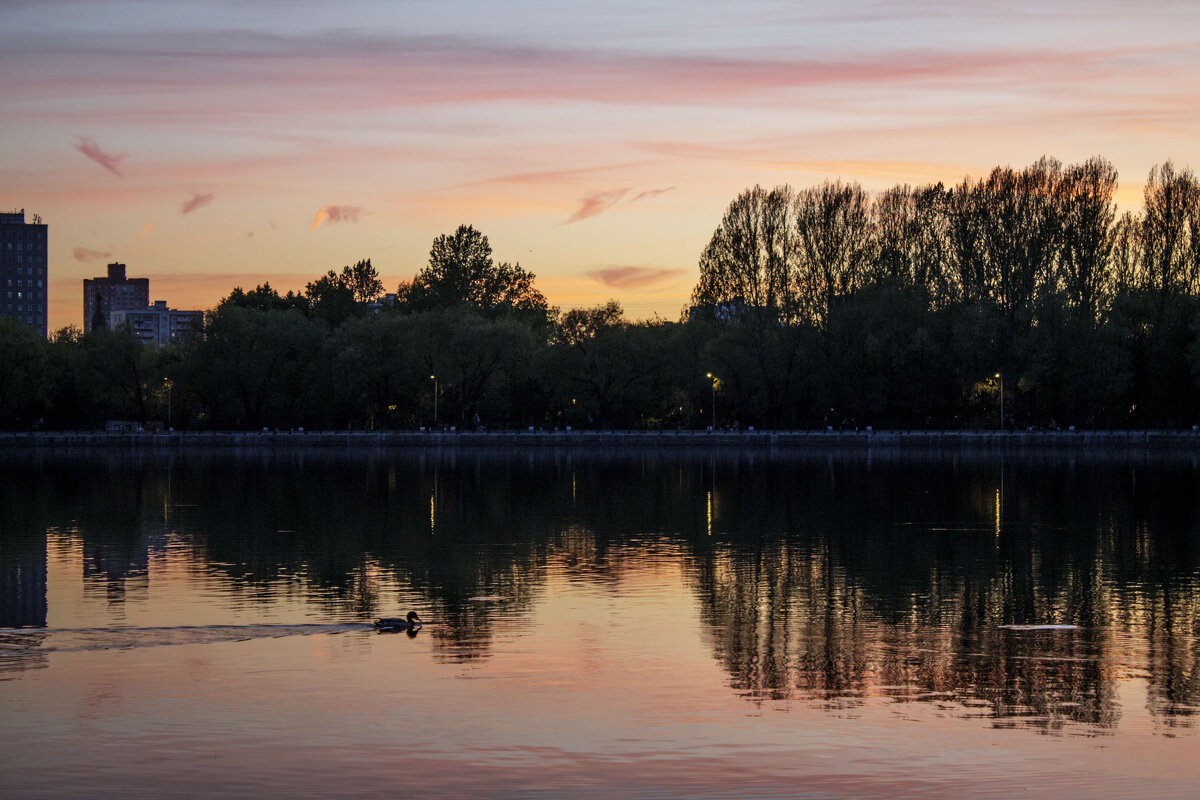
{"x":1160,"y":441}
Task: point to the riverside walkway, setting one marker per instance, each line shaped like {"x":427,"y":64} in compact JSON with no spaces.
{"x":1158,"y":440}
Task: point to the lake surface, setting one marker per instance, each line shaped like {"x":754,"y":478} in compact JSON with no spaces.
{"x":600,"y":624}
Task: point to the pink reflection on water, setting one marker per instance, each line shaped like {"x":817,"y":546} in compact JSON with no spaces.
{"x":607,"y":682}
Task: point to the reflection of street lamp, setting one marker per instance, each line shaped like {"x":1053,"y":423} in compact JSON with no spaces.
{"x":1001,"y":379}
{"x":714,"y":401}
{"x":434,"y":379}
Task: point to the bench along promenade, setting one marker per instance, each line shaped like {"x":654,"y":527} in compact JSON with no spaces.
{"x":1154,"y":440}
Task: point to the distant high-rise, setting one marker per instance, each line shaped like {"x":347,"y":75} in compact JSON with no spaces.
{"x":102,"y":296}
{"x":23,"y":269}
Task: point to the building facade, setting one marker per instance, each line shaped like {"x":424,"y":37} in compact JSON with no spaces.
{"x":104,"y":296}
{"x":159,"y":325}
{"x":24,"y":267}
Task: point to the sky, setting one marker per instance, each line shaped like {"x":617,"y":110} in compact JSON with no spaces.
{"x":221,"y":144}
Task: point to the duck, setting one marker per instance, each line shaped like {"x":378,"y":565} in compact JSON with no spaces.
{"x":411,"y":622}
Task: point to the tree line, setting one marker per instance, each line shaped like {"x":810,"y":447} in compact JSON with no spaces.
{"x":815,"y":307}
{"x":913,"y":308}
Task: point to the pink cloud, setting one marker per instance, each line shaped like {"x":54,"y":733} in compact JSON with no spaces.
{"x":595,"y":203}
{"x":336,"y":214}
{"x":197,"y":201}
{"x":359,"y":72}
{"x":767,"y":154}
{"x":86,"y":255}
{"x":87,"y":145}
{"x":634,"y":277}
{"x":651,"y":193}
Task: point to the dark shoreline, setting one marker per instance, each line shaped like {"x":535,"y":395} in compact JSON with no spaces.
{"x":997,"y":441}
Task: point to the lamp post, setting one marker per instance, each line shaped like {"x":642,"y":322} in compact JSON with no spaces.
{"x":714,"y":401}
{"x":1001,"y":379}
{"x":170,"y":386}
{"x":435,"y":388}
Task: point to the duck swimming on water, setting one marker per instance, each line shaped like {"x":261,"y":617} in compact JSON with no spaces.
{"x":411,"y":622}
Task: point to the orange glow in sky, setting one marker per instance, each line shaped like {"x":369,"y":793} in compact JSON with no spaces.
{"x":597,"y":145}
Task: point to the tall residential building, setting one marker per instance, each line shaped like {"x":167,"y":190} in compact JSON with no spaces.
{"x":23,"y":269}
{"x":102,"y":296}
{"x":159,"y":325}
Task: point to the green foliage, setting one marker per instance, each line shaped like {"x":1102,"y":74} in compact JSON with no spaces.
{"x":812,"y":307}
{"x":608,"y":372}
{"x":24,"y":362}
{"x":1026,"y":273}
{"x":257,"y":368}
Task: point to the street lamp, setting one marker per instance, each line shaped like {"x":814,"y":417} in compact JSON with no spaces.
{"x":714,"y":401}
{"x":170,"y":385}
{"x":1001,"y":379}
{"x":435,"y":388}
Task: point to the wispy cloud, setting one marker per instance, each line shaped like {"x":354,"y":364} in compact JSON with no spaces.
{"x":651,"y":193}
{"x":596,"y":202}
{"x":146,"y":230}
{"x":634,"y":277}
{"x":336,"y":214}
{"x":111,"y":162}
{"x":86,"y":255}
{"x":357,"y":72}
{"x":197,"y":201}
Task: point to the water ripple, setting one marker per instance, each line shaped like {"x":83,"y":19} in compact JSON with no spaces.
{"x":18,"y":643}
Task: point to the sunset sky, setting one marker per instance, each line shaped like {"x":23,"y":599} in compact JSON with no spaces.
{"x":210,"y":145}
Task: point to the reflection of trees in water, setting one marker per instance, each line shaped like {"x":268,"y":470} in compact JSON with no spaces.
{"x":341,"y":534}
{"x":1166,"y":620}
{"x":820,"y":593}
{"x":819,"y":577}
{"x":22,"y":557}
{"x":443,"y":532}
{"x":112,"y":507}
{"x":20,"y":650}
{"x":22,"y":581}
{"x":790,"y":624}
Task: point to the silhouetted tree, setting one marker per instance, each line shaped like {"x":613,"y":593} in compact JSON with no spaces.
{"x":264,"y":298}
{"x":461,"y":272}
{"x":1171,"y":233}
{"x":24,"y":374}
{"x":258,"y":368}
{"x":1089,"y":211}
{"x":835,"y":243}
{"x":912,"y":240}
{"x":117,"y":371}
{"x":336,"y":297}
{"x":751,"y":259}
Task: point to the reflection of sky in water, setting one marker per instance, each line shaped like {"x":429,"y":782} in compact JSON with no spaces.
{"x":623,"y":629}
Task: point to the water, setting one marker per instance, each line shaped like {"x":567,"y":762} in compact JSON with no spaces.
{"x":635,"y":624}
